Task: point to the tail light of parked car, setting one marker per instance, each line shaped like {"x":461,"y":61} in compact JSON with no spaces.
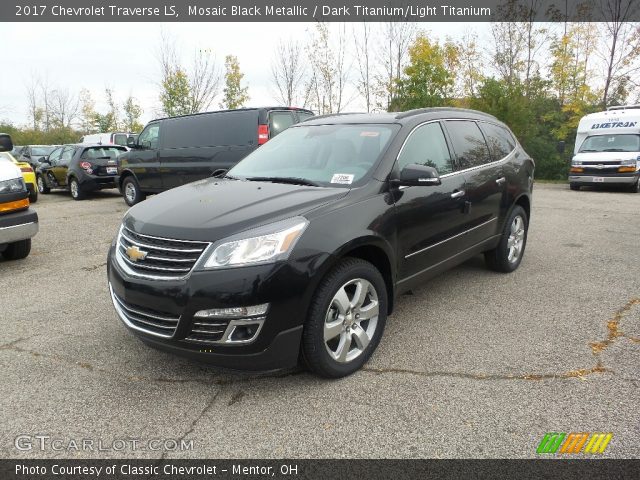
{"x":26,"y":169}
{"x":87,"y":167}
{"x":263,"y":134}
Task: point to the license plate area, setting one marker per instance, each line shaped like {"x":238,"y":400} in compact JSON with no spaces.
{"x":112,"y":170}
{"x":598,"y":179}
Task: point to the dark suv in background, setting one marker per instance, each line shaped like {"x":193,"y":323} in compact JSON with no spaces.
{"x":170,"y":152}
{"x":301,"y":250}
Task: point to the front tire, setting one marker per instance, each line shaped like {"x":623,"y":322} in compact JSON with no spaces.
{"x":76,"y":190}
{"x":346,"y":319}
{"x":131,"y":191}
{"x":574,"y":186}
{"x":635,"y":188}
{"x":17,"y":250}
{"x":42,"y":186}
{"x":506,"y":257}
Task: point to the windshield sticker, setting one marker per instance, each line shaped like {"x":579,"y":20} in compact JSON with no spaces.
{"x":369,"y":134}
{"x":342,"y":178}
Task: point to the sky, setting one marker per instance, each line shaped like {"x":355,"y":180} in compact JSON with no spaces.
{"x":122,"y":56}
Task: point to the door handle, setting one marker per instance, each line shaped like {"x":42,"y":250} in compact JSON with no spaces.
{"x":458,"y":194}
{"x":501,"y":180}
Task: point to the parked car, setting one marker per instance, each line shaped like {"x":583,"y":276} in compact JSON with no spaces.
{"x":33,"y":154}
{"x":109,"y":138}
{"x":302,"y":249}
{"x":18,"y":223}
{"x":28,"y":175}
{"x":81,"y":169}
{"x":174,"y":151}
{"x":607,"y":149}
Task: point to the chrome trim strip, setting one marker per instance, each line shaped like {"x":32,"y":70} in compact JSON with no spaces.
{"x":451,"y":238}
{"x":164,"y":249}
{"x":166,"y":239}
{"x":233,"y":324}
{"x":143,"y":314}
{"x":125,"y":320}
{"x":151,"y":267}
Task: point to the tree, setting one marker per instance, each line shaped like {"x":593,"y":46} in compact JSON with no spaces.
{"x":234,"y":94}
{"x":471,"y":65}
{"x":622,"y":41}
{"x":204,"y":81}
{"x":132,"y":112}
{"x":87,"y":115}
{"x":114,"y":110}
{"x":396,"y":38}
{"x":330,"y":73}
{"x":64,"y":107}
{"x":288,"y":72}
{"x":362,"y":43}
{"x":175,"y":94}
{"x":428,"y":80}
{"x":35,"y":110}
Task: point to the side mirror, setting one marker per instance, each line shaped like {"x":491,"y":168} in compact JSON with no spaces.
{"x":131,"y":142}
{"x":415,"y":175}
{"x":560,"y":147}
{"x":44,"y":160}
{"x":219,"y":173}
{"x":6,"y":145}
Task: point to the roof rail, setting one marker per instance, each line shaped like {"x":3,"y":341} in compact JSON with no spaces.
{"x":417,"y":111}
{"x":341,"y":114}
{"x":623,"y":107}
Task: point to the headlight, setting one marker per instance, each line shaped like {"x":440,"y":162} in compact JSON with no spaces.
{"x":628,"y":163}
{"x":263,"y":245}
{"x":576,"y":163}
{"x":12,"y":186}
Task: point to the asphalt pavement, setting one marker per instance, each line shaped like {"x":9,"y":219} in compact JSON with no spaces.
{"x":473,"y":364}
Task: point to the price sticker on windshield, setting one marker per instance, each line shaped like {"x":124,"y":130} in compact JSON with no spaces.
{"x":342,"y":178}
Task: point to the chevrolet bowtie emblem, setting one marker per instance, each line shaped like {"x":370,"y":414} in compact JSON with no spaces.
{"x":135,"y":254}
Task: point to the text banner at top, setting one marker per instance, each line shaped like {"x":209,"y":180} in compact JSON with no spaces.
{"x":323,"y":10}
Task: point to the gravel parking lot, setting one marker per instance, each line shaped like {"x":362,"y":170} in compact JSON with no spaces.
{"x":473,"y":364}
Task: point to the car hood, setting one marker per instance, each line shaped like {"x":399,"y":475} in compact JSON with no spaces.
{"x":605,"y":157}
{"x":9,"y":170}
{"x":211,"y":209}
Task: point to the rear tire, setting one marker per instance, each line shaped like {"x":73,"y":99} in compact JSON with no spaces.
{"x":346,"y":319}
{"x":506,"y":257}
{"x":42,"y":186}
{"x":17,"y":250}
{"x":574,"y":186}
{"x":76,"y":190}
{"x":33,"y":196}
{"x":131,"y":191}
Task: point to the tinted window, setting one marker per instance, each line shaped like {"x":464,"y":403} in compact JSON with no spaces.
{"x":468,"y":143}
{"x":279,"y":121}
{"x":149,"y":136}
{"x":67,"y":155}
{"x":331,"y":155}
{"x":101,"y":152}
{"x":214,"y":129}
{"x":498,"y":139}
{"x":41,"y":151}
{"x":55,"y":155}
{"x":427,"y":146}
{"x":120,"y":139}
{"x":302,"y":116}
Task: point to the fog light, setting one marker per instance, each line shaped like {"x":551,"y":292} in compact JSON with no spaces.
{"x":244,"y":332}
{"x":253,"y":311}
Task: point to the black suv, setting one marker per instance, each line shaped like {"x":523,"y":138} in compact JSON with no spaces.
{"x":301,"y":250}
{"x":81,"y":169}
{"x":174,"y":151}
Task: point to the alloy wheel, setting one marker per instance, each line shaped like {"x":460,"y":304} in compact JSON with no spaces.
{"x":516,"y":239}
{"x":74,"y":188}
{"x":351,"y":320}
{"x":130,"y":192}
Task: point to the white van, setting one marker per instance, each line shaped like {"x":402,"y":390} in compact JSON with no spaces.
{"x":607,"y":149}
{"x":108,"y":138}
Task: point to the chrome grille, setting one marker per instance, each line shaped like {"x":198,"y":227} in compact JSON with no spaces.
{"x":141,"y":318}
{"x":160,"y":257}
{"x":207,"y":330}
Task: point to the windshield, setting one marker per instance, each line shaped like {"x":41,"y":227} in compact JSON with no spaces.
{"x":41,"y":151}
{"x":611,"y":143}
{"x":326,"y":155}
{"x":120,"y":139}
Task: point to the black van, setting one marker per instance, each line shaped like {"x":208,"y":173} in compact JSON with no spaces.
{"x":174,"y":151}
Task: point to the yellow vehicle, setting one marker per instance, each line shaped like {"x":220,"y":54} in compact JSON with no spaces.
{"x":28,"y":175}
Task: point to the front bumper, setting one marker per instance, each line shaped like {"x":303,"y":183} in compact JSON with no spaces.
{"x":609,"y":179}
{"x":277,"y":344}
{"x":18,"y":226}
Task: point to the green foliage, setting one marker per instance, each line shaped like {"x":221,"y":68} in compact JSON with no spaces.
{"x":175,"y":94}
{"x":235,"y":95}
{"x":29,"y":136}
{"x":428,"y":79}
{"x":132,"y":112}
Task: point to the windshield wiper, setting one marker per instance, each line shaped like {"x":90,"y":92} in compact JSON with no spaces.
{"x":587,"y":150}
{"x":290,"y":180}
{"x":614,"y":150}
